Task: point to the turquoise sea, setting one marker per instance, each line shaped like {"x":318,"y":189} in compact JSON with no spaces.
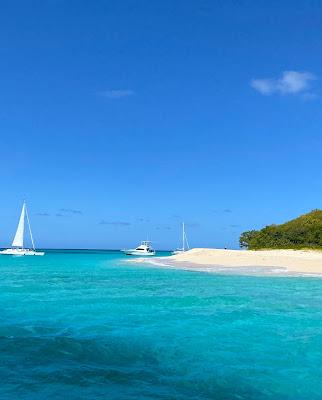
{"x":89,"y":325}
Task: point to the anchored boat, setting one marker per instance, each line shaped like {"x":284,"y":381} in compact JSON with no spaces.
{"x":17,"y":247}
{"x":145,"y":249}
{"x":185,"y":244}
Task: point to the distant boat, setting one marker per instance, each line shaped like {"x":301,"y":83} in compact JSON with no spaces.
{"x":145,"y":249}
{"x":185,"y":244}
{"x":17,"y":247}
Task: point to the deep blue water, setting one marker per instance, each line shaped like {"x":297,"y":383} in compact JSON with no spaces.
{"x":87,"y":325}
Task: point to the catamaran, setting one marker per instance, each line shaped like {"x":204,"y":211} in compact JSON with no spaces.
{"x":144,"y":249}
{"x":185,"y":244}
{"x":17,"y":247}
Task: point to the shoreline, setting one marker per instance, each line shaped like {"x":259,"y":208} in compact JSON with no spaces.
{"x":246,"y":262}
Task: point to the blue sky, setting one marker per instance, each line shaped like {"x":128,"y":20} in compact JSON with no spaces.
{"x":120,"y":119}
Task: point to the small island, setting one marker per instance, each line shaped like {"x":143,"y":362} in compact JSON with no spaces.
{"x":286,"y":249}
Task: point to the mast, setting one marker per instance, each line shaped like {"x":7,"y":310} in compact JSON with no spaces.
{"x":31,"y":237}
{"x":187,"y":243}
{"x":183,"y":237}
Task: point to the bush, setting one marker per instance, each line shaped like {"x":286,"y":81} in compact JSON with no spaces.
{"x":302,"y":232}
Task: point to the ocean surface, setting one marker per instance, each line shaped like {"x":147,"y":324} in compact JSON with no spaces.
{"x":90,"y":325}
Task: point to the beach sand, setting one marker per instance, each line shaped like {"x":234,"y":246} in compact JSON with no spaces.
{"x":299,"y":262}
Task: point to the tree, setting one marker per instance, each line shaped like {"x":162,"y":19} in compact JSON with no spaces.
{"x":245,"y":238}
{"x":302,"y":232}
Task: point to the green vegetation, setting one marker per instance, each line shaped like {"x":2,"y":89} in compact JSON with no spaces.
{"x":302,"y":232}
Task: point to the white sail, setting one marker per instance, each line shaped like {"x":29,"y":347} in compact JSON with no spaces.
{"x":18,"y":240}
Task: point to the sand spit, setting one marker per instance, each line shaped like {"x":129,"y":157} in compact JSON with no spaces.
{"x":299,"y":262}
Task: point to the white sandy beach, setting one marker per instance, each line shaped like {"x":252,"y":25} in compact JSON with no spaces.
{"x":261,"y":261}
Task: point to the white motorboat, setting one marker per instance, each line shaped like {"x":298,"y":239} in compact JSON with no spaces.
{"x":17,"y":247}
{"x":145,"y":249}
{"x":185,"y":244}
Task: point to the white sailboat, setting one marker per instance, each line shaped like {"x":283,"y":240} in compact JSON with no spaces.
{"x":185,"y":244}
{"x":17,"y":247}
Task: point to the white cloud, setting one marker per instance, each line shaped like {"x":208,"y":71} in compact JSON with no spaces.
{"x":117,"y":93}
{"x":291,"y":82}
{"x":264,"y":86}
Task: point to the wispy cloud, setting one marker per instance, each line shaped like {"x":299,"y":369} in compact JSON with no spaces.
{"x":115,"y":223}
{"x":290,"y":83}
{"x":42,"y":214}
{"x":192,"y":224}
{"x":167,"y":228}
{"x":117,"y":93}
{"x":143,"y":220}
{"x":309,"y":96}
{"x":225,"y":210}
{"x":60,"y":215}
{"x":70,"y":211}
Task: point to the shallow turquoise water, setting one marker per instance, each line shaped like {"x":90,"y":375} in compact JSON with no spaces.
{"x":87,"y":325}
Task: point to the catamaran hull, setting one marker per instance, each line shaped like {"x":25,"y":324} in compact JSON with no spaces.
{"x":23,"y":252}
